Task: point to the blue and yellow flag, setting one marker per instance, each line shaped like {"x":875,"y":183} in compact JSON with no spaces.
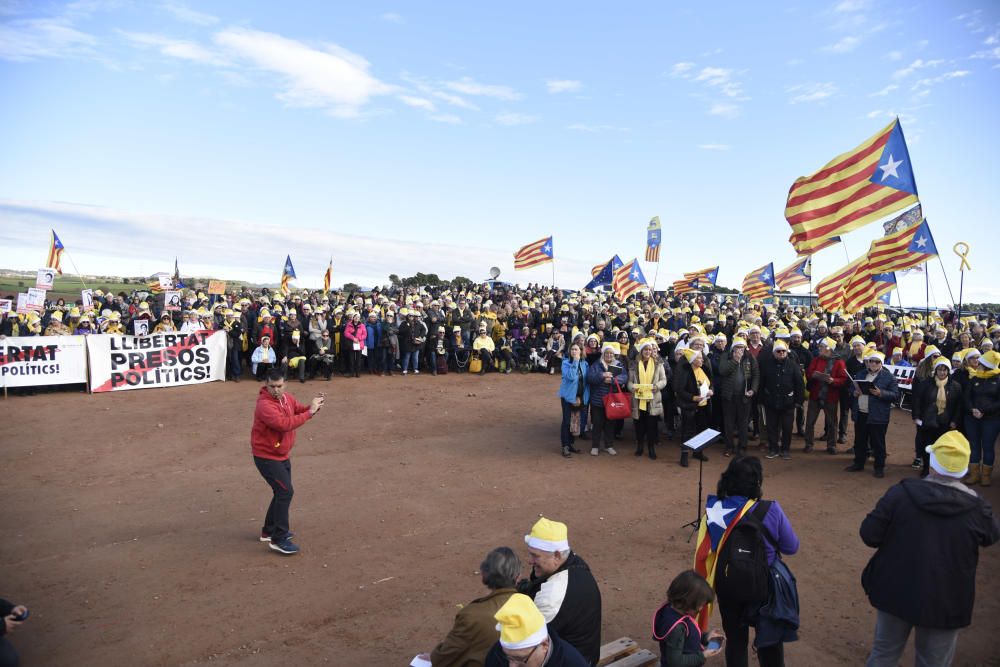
{"x":287,"y":273}
{"x":653,"y":238}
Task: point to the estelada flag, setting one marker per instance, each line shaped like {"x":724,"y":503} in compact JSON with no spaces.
{"x":863,"y":185}
{"x":55,"y":253}
{"x":721,"y":514}
{"x":287,"y":273}
{"x":533,"y":254}
{"x":830,"y":290}
{"x":759,"y":283}
{"x":628,"y":280}
{"x":653,"y":240}
{"x":327,"y":277}
{"x":797,"y":274}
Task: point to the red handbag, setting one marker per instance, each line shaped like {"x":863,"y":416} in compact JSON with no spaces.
{"x":618,"y":403}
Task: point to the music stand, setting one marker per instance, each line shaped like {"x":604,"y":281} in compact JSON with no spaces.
{"x":698,"y":442}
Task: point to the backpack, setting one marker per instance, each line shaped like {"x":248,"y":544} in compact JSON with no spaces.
{"x":741,"y":572}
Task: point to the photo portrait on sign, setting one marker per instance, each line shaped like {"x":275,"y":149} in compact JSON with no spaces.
{"x":140,"y":327}
{"x":87,"y":296}
{"x":46,"y":278}
{"x":6,"y":305}
{"x":172,"y":300}
{"x":36,"y":299}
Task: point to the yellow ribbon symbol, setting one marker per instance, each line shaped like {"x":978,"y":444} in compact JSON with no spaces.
{"x":962,"y":250}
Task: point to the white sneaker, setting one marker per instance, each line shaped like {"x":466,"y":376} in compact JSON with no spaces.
{"x":611,"y":450}
{"x":416,"y":372}
{"x":593,"y":451}
{"x":404,"y":372}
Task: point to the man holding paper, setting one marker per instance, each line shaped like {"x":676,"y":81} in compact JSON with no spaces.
{"x":875,"y":390}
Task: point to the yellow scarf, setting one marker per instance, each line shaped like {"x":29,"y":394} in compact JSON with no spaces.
{"x":942,"y":398}
{"x":701,"y":379}
{"x":646,"y":370}
{"x":915,"y":348}
{"x":983,"y":373}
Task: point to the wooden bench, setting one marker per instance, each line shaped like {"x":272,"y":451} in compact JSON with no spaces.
{"x":624,"y":652}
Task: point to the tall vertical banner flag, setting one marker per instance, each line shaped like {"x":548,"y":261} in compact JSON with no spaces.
{"x":287,"y":273}
{"x":628,"y":280}
{"x":178,"y":283}
{"x":653,"y":237}
{"x":721,"y":514}
{"x":866,"y":184}
{"x":56,"y":249}
{"x":533,"y":254}
{"x":327,"y":277}
{"x":759,"y":283}
{"x":799,"y":273}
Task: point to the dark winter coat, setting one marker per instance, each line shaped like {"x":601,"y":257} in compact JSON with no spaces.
{"x":928,"y":536}
{"x":781,"y":384}
{"x":925,"y":404}
{"x":728,"y":374}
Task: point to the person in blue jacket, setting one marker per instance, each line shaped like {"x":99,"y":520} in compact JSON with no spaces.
{"x":601,"y":377}
{"x":870,"y":411}
{"x":574,"y":395}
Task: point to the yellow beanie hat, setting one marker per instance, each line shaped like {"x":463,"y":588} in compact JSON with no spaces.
{"x":780,"y":345}
{"x":645,"y":342}
{"x":613,"y":346}
{"x":547,"y":535}
{"x":874,"y":354}
{"x":690,"y":354}
{"x":950,"y":454}
{"x":520,"y":623}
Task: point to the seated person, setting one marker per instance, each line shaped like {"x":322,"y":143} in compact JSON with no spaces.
{"x":525,"y":639}
{"x":263,"y":358}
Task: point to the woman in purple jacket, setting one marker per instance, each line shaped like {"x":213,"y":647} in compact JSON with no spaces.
{"x":743,"y":480}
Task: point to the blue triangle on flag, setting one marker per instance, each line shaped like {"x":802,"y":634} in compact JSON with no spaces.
{"x":894,"y":168}
{"x":923,"y":241}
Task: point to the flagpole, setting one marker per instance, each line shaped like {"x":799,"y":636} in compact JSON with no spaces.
{"x":927,"y":293}
{"x":553,"y":273}
{"x":656,"y":275}
{"x":78,"y":274}
{"x":946,"y":281}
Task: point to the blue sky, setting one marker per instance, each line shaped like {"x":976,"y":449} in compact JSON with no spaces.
{"x":440,"y":137}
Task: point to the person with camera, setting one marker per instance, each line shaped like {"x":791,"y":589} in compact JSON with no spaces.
{"x":13,"y":616}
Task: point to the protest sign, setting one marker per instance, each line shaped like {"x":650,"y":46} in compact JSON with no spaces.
{"x":216,"y":286}
{"x":45,"y":279}
{"x":22,"y":304}
{"x":36,"y":299}
{"x":140,"y":327}
{"x":903,"y":374}
{"x":161,"y":360}
{"x":6,"y":305}
{"x":166,"y":282}
{"x":172,"y":300}
{"x":42,"y":360}
{"x":87,"y":296}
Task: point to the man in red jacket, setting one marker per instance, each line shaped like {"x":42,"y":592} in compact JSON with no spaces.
{"x":275,"y":419}
{"x":825,"y":379}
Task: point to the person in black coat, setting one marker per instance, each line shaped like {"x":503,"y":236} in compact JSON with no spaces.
{"x":937,"y":402}
{"x":781,"y":390}
{"x":9,"y":612}
{"x":928,"y":533}
{"x":693,"y":393}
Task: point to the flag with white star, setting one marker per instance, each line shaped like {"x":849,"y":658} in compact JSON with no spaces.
{"x":721,"y":514}
{"x":759,"y":283}
{"x":902,"y":249}
{"x":287,"y":273}
{"x":605,"y":273}
{"x":628,"y":280}
{"x":533,"y":254}
{"x":864,"y":185}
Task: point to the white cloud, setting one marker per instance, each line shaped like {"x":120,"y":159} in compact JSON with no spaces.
{"x":513,"y":118}
{"x":851,"y":6}
{"x":467,"y":86}
{"x":724,"y":110}
{"x":931,"y":82}
{"x":885,"y":91}
{"x":427,"y":88}
{"x":722,"y":80}
{"x":332,"y":78}
{"x":417,"y":102}
{"x":811,"y":92}
{"x":844,"y":45}
{"x":681,"y":69}
{"x":585,"y":127}
{"x":986,"y":54}
{"x":33,"y":39}
{"x":916,"y":65}
{"x":562,"y":86}
{"x":187,"y":15}
{"x":714,"y":147}
{"x":176,"y":48}
{"x":894,"y":55}
{"x":393,"y":17}
{"x":144,"y":243}
{"x":448,"y":118}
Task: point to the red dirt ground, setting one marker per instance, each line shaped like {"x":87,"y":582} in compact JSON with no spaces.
{"x":132,"y":522}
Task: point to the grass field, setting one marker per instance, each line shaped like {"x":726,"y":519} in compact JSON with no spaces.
{"x":66,"y":287}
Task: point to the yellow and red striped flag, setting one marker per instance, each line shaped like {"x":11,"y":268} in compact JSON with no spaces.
{"x":628,"y":280}
{"x":759,"y":283}
{"x":705,"y":277}
{"x":685,"y":286}
{"x":830,"y":290}
{"x":861,"y":186}
{"x":822,"y":245}
{"x":287,"y":274}
{"x":902,"y":250}
{"x":799,"y":273}
{"x":327,"y":277}
{"x":56,"y":249}
{"x":721,"y":514}
{"x":533,"y":254}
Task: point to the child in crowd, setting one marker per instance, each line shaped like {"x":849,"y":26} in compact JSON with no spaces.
{"x":682,"y":643}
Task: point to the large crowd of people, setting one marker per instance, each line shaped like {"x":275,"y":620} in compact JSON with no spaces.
{"x":752,"y":371}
